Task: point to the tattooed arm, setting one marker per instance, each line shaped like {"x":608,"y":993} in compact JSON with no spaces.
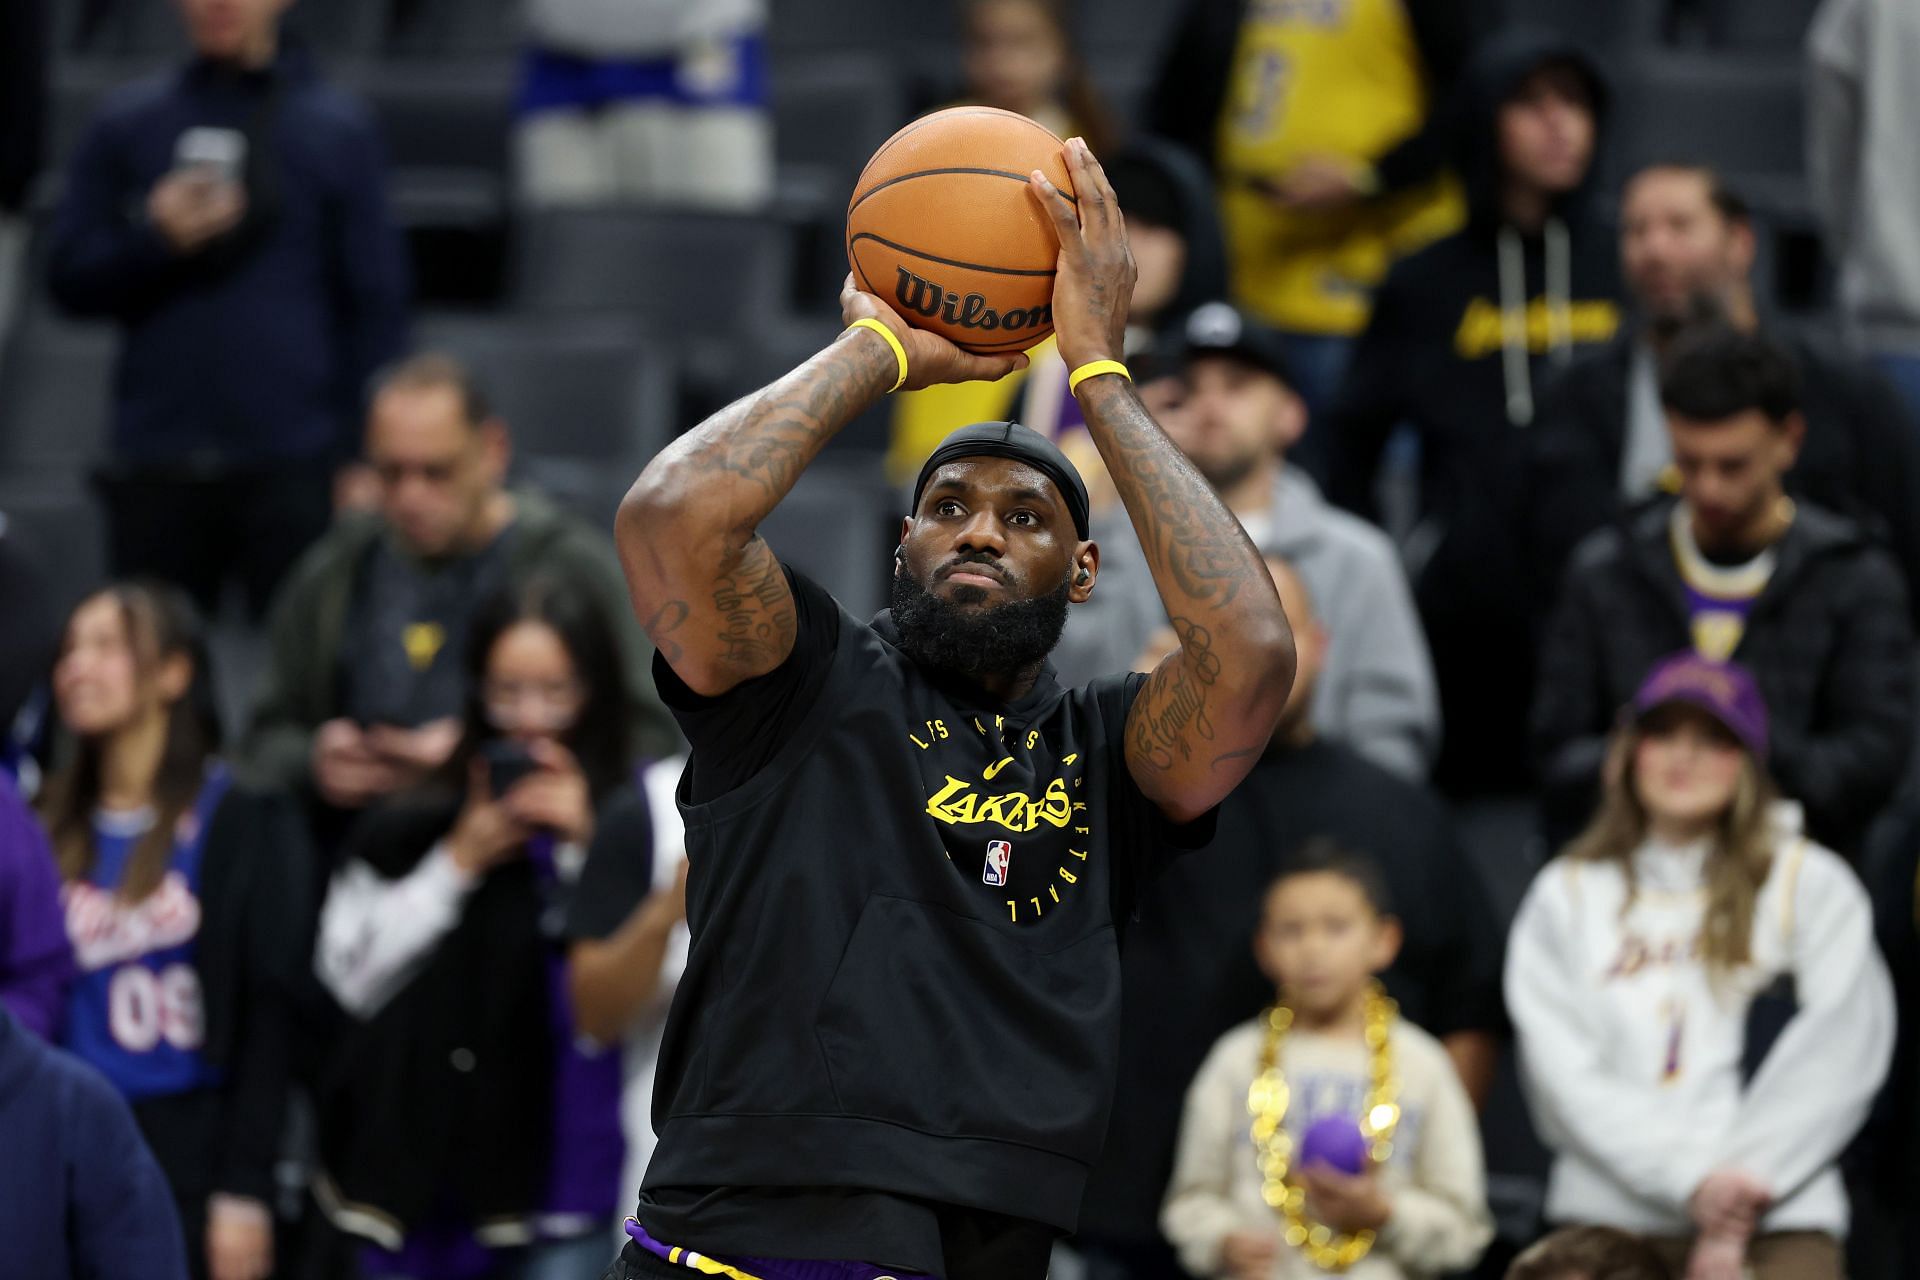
{"x":1207,"y":711}
{"x":706,"y":586}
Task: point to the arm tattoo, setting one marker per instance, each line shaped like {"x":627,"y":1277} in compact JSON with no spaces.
{"x":755,"y":608}
{"x":1191,"y":539}
{"x":661,"y":626}
{"x":767,"y":439}
{"x":1170,"y":719}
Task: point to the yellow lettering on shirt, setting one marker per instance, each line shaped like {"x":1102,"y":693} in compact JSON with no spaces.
{"x":423,"y":642}
{"x":1482,"y":331}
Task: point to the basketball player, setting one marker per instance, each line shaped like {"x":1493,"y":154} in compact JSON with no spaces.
{"x":893,"y":1049}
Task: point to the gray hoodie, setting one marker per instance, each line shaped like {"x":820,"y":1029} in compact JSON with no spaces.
{"x":1862,"y":99}
{"x":1376,"y":692}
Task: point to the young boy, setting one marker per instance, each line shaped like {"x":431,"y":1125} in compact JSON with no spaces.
{"x":1332,"y":1055}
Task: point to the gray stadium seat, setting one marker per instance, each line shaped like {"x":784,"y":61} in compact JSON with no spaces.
{"x":833,"y":112}
{"x":439,"y":28}
{"x":838,"y":527}
{"x":445,"y":126}
{"x":57,"y":523}
{"x":1779,"y":25}
{"x":919,"y":33}
{"x":588,"y":391}
{"x":1744,"y":115}
{"x":1598,"y":24}
{"x":682,"y":272}
{"x":56,"y":395}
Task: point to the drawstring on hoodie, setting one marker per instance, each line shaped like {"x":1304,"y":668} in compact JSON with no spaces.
{"x":1515,"y":365}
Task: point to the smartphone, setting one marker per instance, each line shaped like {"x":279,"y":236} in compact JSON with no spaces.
{"x":507,"y":763}
{"x":218,"y":154}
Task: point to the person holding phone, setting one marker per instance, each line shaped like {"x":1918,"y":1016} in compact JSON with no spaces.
{"x":232,"y":219}
{"x":469,"y":1122}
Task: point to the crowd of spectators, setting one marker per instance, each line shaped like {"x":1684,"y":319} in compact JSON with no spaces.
{"x":1570,"y":877}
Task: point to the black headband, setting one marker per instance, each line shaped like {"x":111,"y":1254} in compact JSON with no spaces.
{"x":1011,"y":440}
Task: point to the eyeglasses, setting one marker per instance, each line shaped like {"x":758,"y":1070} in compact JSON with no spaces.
{"x":516,"y":705}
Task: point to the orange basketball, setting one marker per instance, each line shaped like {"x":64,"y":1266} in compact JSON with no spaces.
{"x":943,"y":226}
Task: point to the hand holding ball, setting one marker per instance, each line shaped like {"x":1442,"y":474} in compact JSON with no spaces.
{"x":944,"y":228}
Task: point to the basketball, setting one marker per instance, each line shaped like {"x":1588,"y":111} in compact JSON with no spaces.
{"x":943,"y":226}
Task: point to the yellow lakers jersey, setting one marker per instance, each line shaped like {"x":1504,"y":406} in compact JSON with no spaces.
{"x":1333,"y":79}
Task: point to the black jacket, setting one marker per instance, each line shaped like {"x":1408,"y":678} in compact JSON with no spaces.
{"x":1828,"y":641}
{"x":1190,"y":91}
{"x":1432,"y":357}
{"x":441,"y":1100}
{"x":260,"y":346}
{"x":255,"y":952}
{"x":1861,"y":457}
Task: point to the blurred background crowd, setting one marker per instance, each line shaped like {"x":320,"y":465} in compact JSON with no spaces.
{"x":1534,"y":341}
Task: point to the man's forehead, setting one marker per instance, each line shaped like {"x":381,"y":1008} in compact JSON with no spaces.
{"x":991,"y":473}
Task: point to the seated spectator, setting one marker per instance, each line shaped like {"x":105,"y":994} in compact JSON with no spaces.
{"x":1182,"y":987}
{"x":1861,"y":100}
{"x":1462,"y":335}
{"x":1600,"y":445}
{"x":1238,"y":425}
{"x":1324,"y":126}
{"x":1736,"y":569}
{"x":1703,"y":1017}
{"x":1359,"y":1125}
{"x":648,"y":100}
{"x":231,"y":217}
{"x":186,"y":905}
{"x":1019,"y":56}
{"x":365,"y":680}
{"x":80,"y":1195}
{"x":1589,"y":1253}
{"x":473,"y":1104}
{"x":36,"y":962}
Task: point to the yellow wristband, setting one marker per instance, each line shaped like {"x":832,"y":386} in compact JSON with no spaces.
{"x":1093,"y":369}
{"x":899,"y":352}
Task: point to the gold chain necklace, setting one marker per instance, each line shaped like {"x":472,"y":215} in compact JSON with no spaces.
{"x":1267,"y":1101}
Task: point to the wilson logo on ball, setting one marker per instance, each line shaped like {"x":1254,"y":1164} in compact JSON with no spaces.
{"x":928,"y":298}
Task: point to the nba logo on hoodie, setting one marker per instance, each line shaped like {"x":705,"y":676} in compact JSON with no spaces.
{"x":999,"y":855}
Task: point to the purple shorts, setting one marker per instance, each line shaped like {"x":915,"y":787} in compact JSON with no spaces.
{"x":745,"y":1268}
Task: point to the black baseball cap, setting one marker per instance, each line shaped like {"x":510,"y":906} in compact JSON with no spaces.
{"x":1222,"y":329}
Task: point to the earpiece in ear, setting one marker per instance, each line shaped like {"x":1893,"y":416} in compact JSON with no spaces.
{"x":1083,"y":578}
{"x":899,"y":555}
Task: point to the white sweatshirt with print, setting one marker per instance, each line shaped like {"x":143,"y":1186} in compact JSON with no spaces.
{"x":1630,"y":1051}
{"x":1436,"y":1177}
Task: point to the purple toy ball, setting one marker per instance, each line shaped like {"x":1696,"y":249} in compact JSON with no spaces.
{"x":1337,"y":1141}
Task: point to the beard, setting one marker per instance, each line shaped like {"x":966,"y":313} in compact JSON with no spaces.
{"x":1223,"y":473}
{"x":960,"y":636}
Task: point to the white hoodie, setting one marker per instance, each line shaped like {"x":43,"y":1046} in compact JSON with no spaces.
{"x":1630,"y":1054}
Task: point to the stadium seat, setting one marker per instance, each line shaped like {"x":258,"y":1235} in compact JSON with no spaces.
{"x":1779,"y":25}
{"x":832,"y":112}
{"x":585,"y":390}
{"x":55,"y":395}
{"x":838,"y":527}
{"x":684,"y":273}
{"x":1744,"y":115}
{"x":914,"y":34}
{"x":58,"y":524}
{"x":439,"y":28}
{"x":1599,"y":24}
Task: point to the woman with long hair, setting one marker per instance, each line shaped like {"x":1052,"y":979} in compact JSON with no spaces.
{"x":185,"y":904}
{"x":1703,"y":1017}
{"x":469,"y":1119}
